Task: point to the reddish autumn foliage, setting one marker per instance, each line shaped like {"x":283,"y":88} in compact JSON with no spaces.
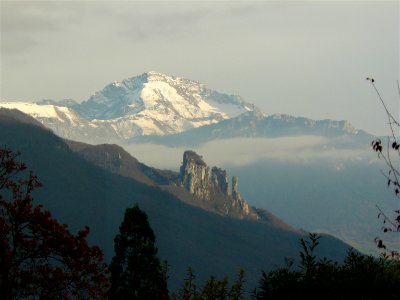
{"x":39,"y":257}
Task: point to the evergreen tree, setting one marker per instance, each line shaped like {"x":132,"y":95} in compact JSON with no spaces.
{"x":359,"y":277}
{"x":213,"y":289}
{"x":136,"y":272}
{"x":189,"y":290}
{"x":237,"y":289}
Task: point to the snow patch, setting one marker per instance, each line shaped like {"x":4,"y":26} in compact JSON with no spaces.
{"x":40,"y":111}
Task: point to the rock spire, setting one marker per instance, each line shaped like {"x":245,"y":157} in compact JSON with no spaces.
{"x":196,"y":178}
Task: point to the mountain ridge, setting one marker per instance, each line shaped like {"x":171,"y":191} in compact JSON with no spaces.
{"x":222,"y":198}
{"x":254,"y":125}
{"x":79,"y":193}
{"x":154,"y":106}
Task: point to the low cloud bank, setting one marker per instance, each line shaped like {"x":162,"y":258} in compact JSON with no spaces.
{"x":245,"y":151}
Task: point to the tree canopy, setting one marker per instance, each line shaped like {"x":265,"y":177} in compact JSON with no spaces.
{"x":358,"y":277}
{"x":39,"y":257}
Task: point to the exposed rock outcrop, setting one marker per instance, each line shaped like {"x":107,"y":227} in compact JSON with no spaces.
{"x":196,"y":178}
{"x":237,"y":199}
{"x":235,"y":191}
{"x":195,"y":175}
{"x":220,"y":180}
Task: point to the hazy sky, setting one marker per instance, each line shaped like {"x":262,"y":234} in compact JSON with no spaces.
{"x":301,"y":58}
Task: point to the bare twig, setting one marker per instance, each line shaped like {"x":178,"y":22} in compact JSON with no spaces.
{"x":393,"y":175}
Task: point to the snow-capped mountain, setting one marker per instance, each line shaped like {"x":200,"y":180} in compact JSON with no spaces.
{"x":163,"y":98}
{"x":148,"y":104}
{"x":158,"y":104}
{"x":166,"y":109}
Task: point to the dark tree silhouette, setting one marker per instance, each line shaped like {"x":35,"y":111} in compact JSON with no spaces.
{"x":39,"y":257}
{"x":358,"y":277}
{"x":189,"y":290}
{"x":136,"y":272}
{"x":213,"y":289}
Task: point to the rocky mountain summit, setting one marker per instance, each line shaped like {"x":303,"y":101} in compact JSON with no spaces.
{"x":155,"y":98}
{"x":159,"y":108}
{"x":148,"y":104}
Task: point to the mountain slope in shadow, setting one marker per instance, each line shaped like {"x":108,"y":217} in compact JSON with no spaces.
{"x":80,"y":193}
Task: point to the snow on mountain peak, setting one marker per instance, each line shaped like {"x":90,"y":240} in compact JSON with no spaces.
{"x":148,"y":104}
{"x":161,"y":104}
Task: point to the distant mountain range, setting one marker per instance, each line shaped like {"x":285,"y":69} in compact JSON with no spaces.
{"x":256,"y":125}
{"x":199,"y":222}
{"x":155,"y":107}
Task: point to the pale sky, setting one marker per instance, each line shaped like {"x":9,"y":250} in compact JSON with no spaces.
{"x":304,"y":58}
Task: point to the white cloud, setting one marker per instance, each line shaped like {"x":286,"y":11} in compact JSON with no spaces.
{"x":246,"y":151}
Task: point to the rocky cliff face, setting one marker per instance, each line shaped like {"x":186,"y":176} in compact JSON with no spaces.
{"x":194,"y":175}
{"x":196,"y":178}
{"x":238,"y":202}
{"x":219,"y":180}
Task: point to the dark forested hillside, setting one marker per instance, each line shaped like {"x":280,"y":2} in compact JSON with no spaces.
{"x":79,"y":193}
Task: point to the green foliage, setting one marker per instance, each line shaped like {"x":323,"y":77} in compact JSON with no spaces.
{"x":237,"y":289}
{"x":278,"y":284}
{"x":189,"y":290}
{"x":213,"y":289}
{"x":136,"y":272}
{"x":359,"y":277}
{"x":308,"y":259}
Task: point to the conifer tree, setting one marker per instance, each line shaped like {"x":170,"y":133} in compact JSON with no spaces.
{"x":189,"y":290}
{"x":136,"y":272}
